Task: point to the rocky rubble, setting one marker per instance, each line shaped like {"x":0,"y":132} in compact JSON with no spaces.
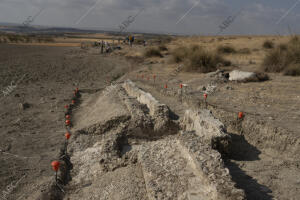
{"x":209,"y":164}
{"x":209,"y":128}
{"x":159,"y":112}
{"x":168,"y":165}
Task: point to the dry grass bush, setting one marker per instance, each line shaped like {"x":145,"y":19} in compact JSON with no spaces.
{"x":244,"y":51}
{"x":197,"y":59}
{"x":203,"y":61}
{"x":163,"y":48}
{"x":260,"y":77}
{"x":268,"y":44}
{"x":162,"y":40}
{"x":283,"y":47}
{"x":179,"y":54}
{"x":153,"y":52}
{"x":284,"y":59}
{"x":292,"y":70}
{"x":226,"y":49}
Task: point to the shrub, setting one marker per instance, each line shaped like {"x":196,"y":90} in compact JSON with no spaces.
{"x":292,"y":70}
{"x":153,"y":52}
{"x":262,"y":76}
{"x":268,"y":44}
{"x":295,"y":39}
{"x":284,"y":58}
{"x":244,"y":51}
{"x":198,"y":59}
{"x":203,"y":61}
{"x":194,"y":48}
{"x":283,"y":47}
{"x":274,"y":61}
{"x":179,"y":54}
{"x":259,"y":77}
{"x":163,"y":48}
{"x":226,"y":49}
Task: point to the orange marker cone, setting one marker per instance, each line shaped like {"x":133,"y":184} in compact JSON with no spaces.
{"x":66,"y":106}
{"x":205,"y":97}
{"x":68,"y":117}
{"x":55,"y":167}
{"x":166,"y":86}
{"x":73,"y":102}
{"x":67,"y":135}
{"x":181,"y":86}
{"x":68,"y":122}
{"x":241,"y":115}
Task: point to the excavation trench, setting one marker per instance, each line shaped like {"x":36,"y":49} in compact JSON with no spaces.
{"x":263,"y":158}
{"x":126,"y":146}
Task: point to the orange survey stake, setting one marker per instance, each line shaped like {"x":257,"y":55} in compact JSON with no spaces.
{"x":55,"y":165}
{"x":241,"y":115}
{"x":67,"y":135}
{"x":68,"y":122}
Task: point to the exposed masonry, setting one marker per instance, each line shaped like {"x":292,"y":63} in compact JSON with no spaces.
{"x":210,"y":134}
{"x":159,"y":112}
{"x":209,"y":128}
{"x":176,"y":163}
{"x":209,"y":164}
{"x":254,"y":128}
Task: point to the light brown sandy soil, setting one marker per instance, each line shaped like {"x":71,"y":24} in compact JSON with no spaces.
{"x":31,"y":138}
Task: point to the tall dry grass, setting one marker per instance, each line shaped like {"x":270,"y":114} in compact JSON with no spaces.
{"x":284,"y":58}
{"x":197,"y":59}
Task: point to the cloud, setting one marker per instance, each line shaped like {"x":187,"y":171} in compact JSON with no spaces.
{"x":158,"y":16}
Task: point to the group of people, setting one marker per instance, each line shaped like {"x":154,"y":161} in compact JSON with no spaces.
{"x":105,"y":46}
{"x":130,"y":40}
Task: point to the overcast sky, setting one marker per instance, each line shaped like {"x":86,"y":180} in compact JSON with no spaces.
{"x":161,"y":16}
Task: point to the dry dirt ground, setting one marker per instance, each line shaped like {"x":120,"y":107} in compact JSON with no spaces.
{"x":264,"y":159}
{"x":45,"y":78}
